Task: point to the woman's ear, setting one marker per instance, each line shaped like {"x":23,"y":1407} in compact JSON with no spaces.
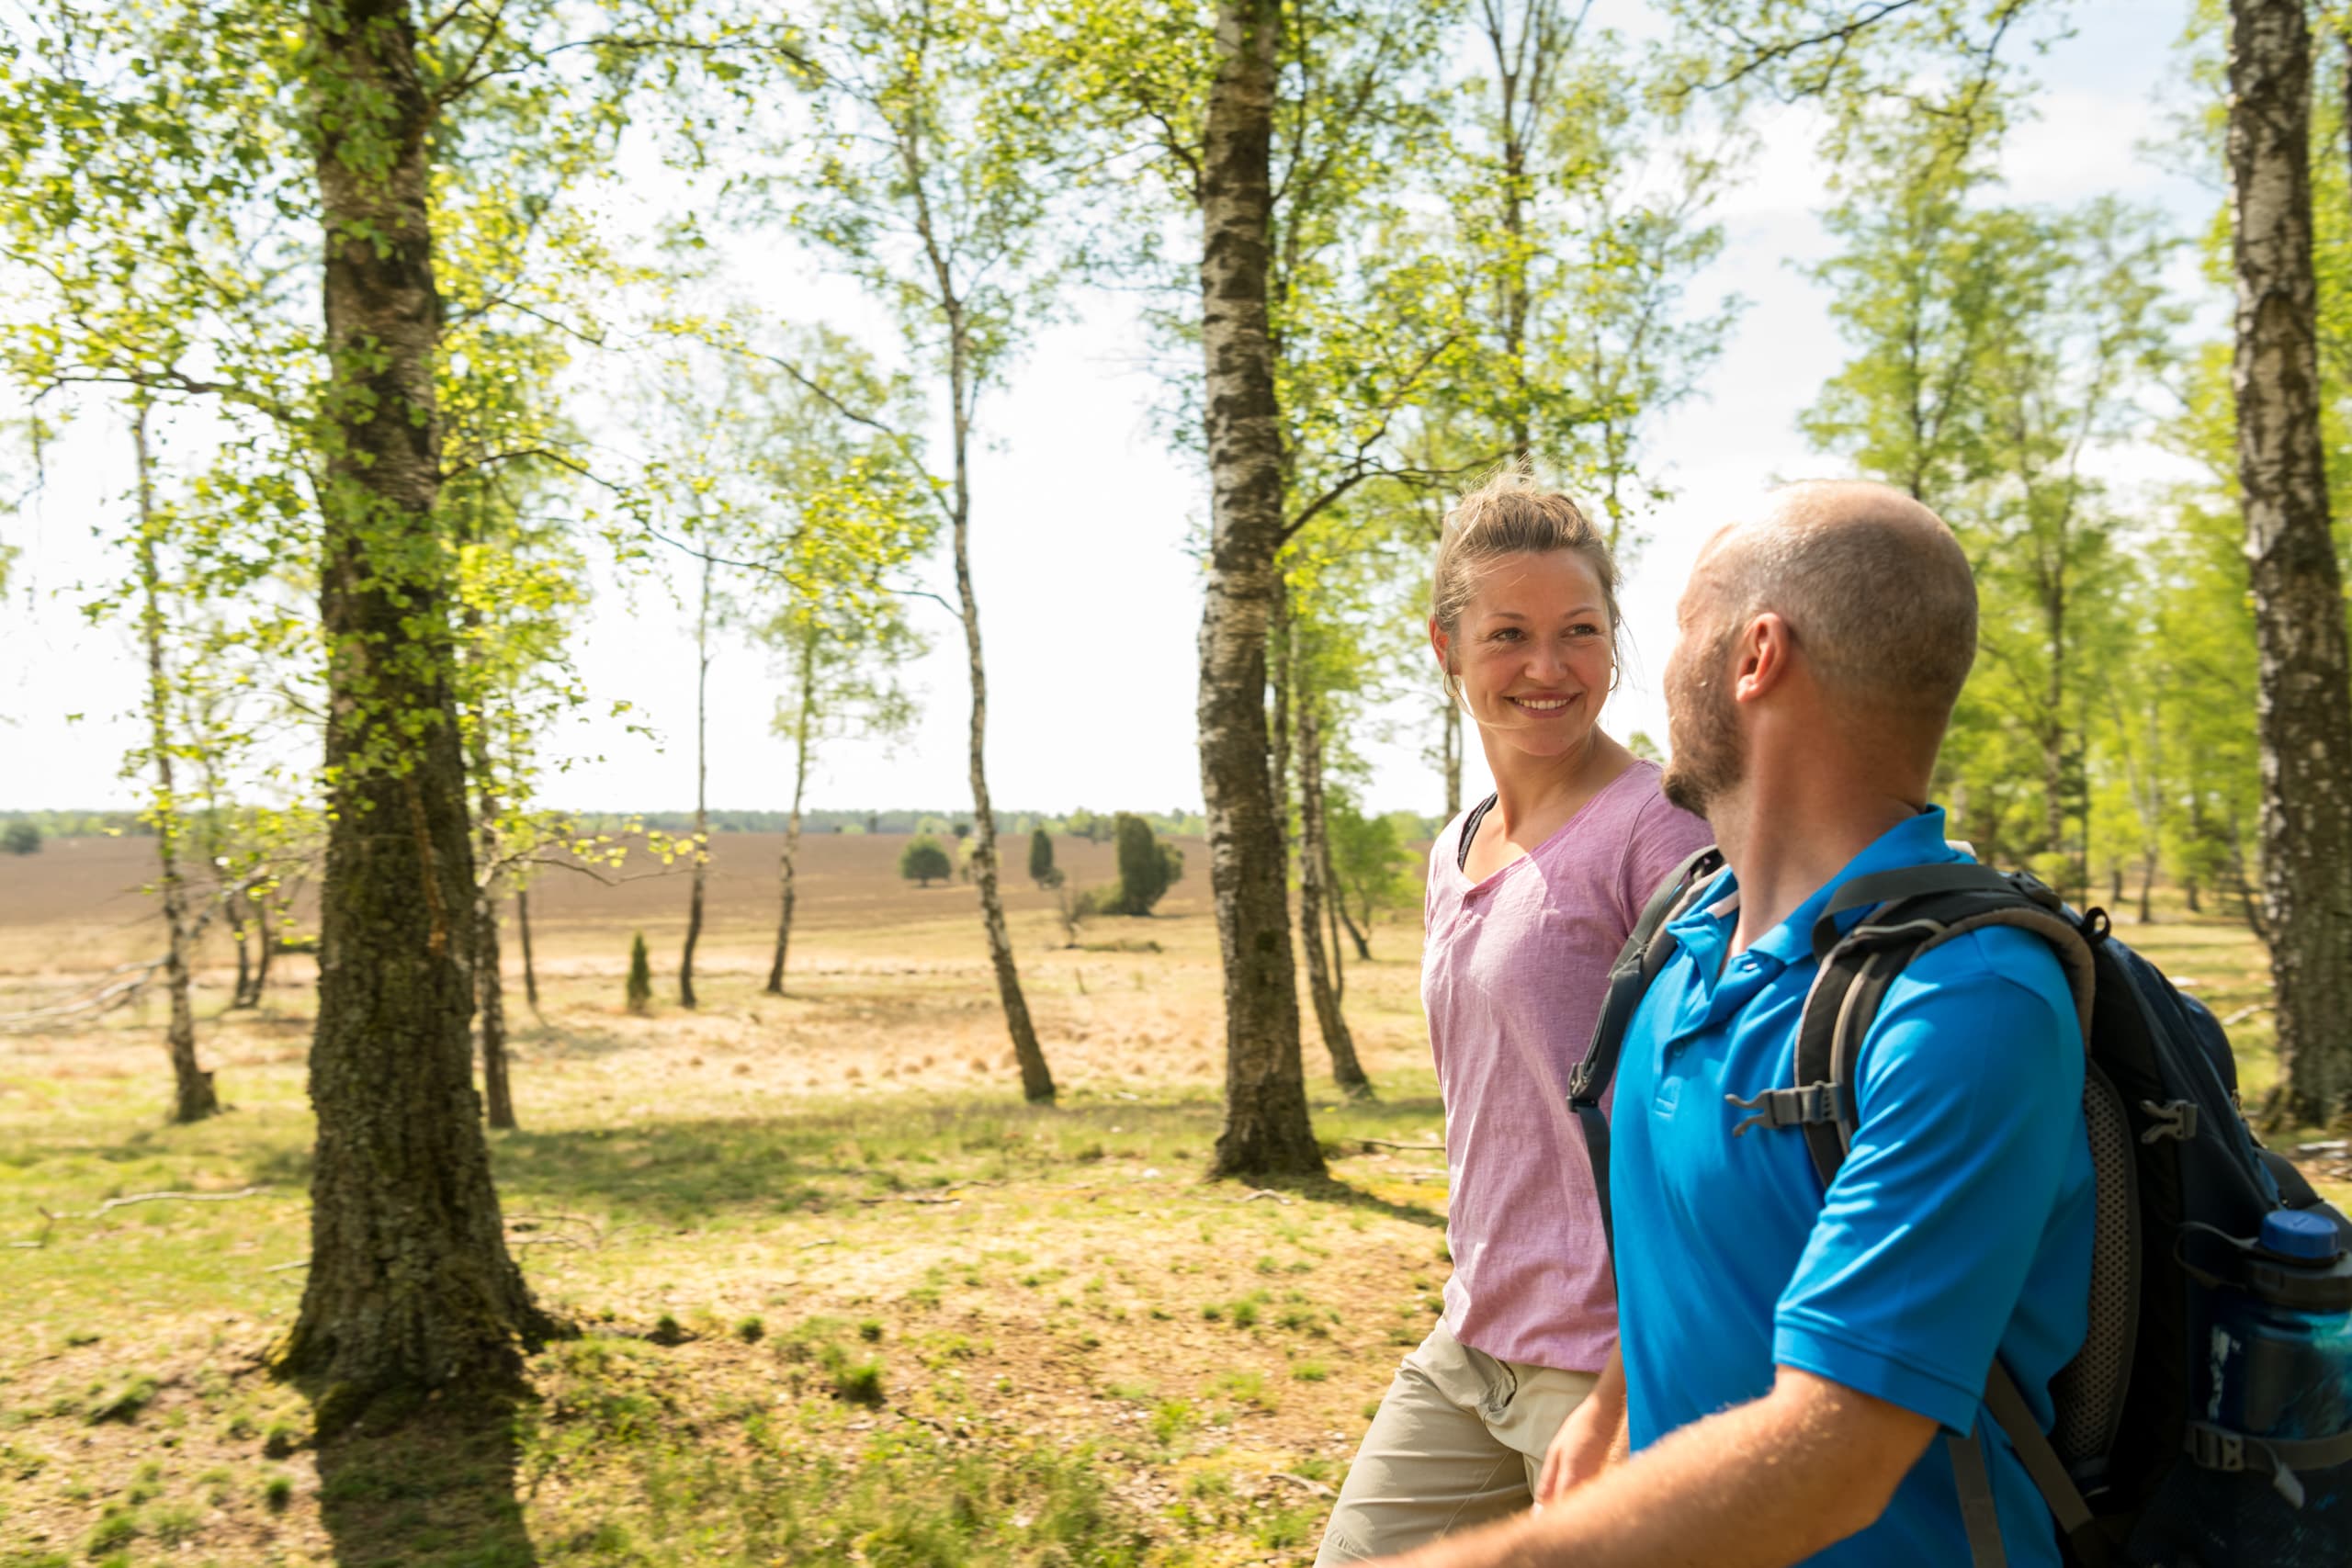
{"x":1441,"y":646}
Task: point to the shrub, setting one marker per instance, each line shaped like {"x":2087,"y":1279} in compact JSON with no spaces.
{"x":1148,"y":866}
{"x":925,"y":862}
{"x":21,"y":838}
{"x":640,"y":977}
{"x":1042,"y":869}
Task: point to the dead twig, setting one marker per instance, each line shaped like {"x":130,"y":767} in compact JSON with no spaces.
{"x":282,"y":1267}
{"x":1264,"y":1192}
{"x":113,"y":1203}
{"x":911,"y":1198}
{"x":1315,"y":1487}
{"x":2245,"y":1012}
{"x":1371,"y":1144}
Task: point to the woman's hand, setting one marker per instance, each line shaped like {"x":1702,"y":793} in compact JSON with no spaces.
{"x":1590,"y":1440}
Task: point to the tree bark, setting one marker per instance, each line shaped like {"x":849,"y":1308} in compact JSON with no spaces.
{"x":1322,"y":982}
{"x":490,"y":988}
{"x":410,"y":1283}
{"x":1451,"y":741}
{"x":192,"y":1095}
{"x":702,"y":784}
{"x":1266,"y":1127}
{"x":522,"y":929}
{"x":2304,"y":693}
{"x":800,"y":791}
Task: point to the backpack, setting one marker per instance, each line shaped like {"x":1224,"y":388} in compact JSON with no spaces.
{"x":2142,"y":1465}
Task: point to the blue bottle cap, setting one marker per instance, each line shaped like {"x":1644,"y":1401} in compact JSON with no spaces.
{"x":2292,"y":1233}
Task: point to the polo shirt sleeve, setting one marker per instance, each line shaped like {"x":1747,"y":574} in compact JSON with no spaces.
{"x":1968,"y":1098}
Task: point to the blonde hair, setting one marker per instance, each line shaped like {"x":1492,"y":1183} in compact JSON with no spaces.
{"x":1509,"y":514}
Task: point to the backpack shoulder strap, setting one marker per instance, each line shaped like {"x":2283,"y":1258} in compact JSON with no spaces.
{"x":1638,"y":963}
{"x":1921,"y":908}
{"x":1470,"y":831}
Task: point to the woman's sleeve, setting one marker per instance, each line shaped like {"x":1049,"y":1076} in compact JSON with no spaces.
{"x":1664,"y":836}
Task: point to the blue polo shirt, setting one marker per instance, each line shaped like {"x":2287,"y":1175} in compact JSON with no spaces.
{"x":1959,"y":1224}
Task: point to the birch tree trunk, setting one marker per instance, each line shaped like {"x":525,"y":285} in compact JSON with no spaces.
{"x":1266,"y":1127}
{"x":800,"y":791}
{"x":1314,"y":896}
{"x":702,"y":782}
{"x":192,"y":1095}
{"x":2305,"y":695}
{"x":410,"y":1282}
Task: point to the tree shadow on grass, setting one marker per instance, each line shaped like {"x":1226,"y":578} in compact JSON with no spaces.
{"x":434,"y":1486}
{"x":1343,"y":1195}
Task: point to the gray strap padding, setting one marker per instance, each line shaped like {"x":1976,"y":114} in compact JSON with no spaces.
{"x":1978,"y":1514}
{"x":2006,"y":1402}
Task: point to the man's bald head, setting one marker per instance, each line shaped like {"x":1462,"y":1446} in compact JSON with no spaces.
{"x":1875,"y":590}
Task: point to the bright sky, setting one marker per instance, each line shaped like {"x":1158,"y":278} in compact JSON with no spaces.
{"x":1089,"y":605}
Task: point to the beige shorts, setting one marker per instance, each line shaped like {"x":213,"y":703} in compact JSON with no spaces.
{"x":1458,"y":1440}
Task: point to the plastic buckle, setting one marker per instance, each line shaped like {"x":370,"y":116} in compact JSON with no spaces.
{"x":2173,"y":1119}
{"x":1579,"y":1081}
{"x":2215,"y":1448}
{"x":1788,"y":1106}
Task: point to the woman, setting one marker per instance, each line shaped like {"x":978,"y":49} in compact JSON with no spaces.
{"x":1532,"y":892}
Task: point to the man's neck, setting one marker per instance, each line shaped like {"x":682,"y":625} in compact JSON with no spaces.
{"x":1783,"y":843}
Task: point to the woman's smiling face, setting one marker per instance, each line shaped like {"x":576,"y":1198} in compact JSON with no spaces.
{"x":1535,"y":652}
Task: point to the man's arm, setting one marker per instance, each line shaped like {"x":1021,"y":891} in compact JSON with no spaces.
{"x":1760,"y":1486}
{"x":1593,"y":1437}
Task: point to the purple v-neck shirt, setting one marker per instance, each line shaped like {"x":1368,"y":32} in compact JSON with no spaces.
{"x":1512,"y":973}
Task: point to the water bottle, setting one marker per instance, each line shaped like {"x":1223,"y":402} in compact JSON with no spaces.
{"x":2278,"y":1352}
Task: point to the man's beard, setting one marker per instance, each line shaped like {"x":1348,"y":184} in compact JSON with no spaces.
{"x":1704,"y":729}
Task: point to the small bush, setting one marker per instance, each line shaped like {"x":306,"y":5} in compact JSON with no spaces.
{"x":279,"y":1440}
{"x":870,"y":1330}
{"x":751,"y":1331}
{"x":640,"y":977}
{"x":855,"y":1382}
{"x":277,"y":1493}
{"x":112,"y":1532}
{"x":667,"y":1331}
{"x":21,"y":838}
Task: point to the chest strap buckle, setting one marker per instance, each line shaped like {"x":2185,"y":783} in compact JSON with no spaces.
{"x":1788,"y":1106}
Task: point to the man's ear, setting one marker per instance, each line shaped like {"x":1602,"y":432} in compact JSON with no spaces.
{"x":1765,"y":648}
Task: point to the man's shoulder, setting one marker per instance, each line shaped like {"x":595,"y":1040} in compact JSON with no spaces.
{"x":1991,"y":998}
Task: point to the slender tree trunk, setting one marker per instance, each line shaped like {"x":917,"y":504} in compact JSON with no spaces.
{"x":1356,"y":933}
{"x":410,"y":1282}
{"x":2304,"y":695}
{"x":246,"y":994}
{"x":1451,"y":741}
{"x":522,"y":929}
{"x":806,"y":722}
{"x":192,"y":1096}
{"x":1322,"y":981}
{"x":1266,"y":1126}
{"x":266,"y":942}
{"x":1036,"y":1080}
{"x":702,"y":781}
{"x":2147,"y":886}
{"x":489,"y":986}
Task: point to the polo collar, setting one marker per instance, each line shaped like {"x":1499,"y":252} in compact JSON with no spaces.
{"x":1916,"y":842}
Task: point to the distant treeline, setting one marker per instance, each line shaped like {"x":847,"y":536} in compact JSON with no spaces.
{"x":1079,"y":824}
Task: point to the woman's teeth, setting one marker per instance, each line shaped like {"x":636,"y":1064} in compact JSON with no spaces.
{"x":1543,"y":704}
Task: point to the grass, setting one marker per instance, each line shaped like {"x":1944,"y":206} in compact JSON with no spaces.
{"x":834,"y":1306}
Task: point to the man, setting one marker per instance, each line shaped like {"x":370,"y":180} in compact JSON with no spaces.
{"x":1787,"y":1360}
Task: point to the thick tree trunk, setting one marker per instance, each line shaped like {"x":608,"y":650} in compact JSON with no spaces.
{"x":522,"y":929}
{"x":1322,"y":981}
{"x":410,"y":1282}
{"x":1266,"y":1126}
{"x":702,"y":785}
{"x":192,"y":1096}
{"x":800,"y":791}
{"x":2304,"y":696}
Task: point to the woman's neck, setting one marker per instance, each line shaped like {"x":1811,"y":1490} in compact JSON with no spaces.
{"x":1530,"y":788}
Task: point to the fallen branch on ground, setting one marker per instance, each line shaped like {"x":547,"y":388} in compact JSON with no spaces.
{"x":1315,"y":1487}
{"x":162,"y":1198}
{"x":1391,"y":1143}
{"x":2244,"y":1012}
{"x":1265,"y":1192}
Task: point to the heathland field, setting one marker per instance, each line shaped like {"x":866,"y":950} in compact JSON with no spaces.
{"x":838,"y":1296}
